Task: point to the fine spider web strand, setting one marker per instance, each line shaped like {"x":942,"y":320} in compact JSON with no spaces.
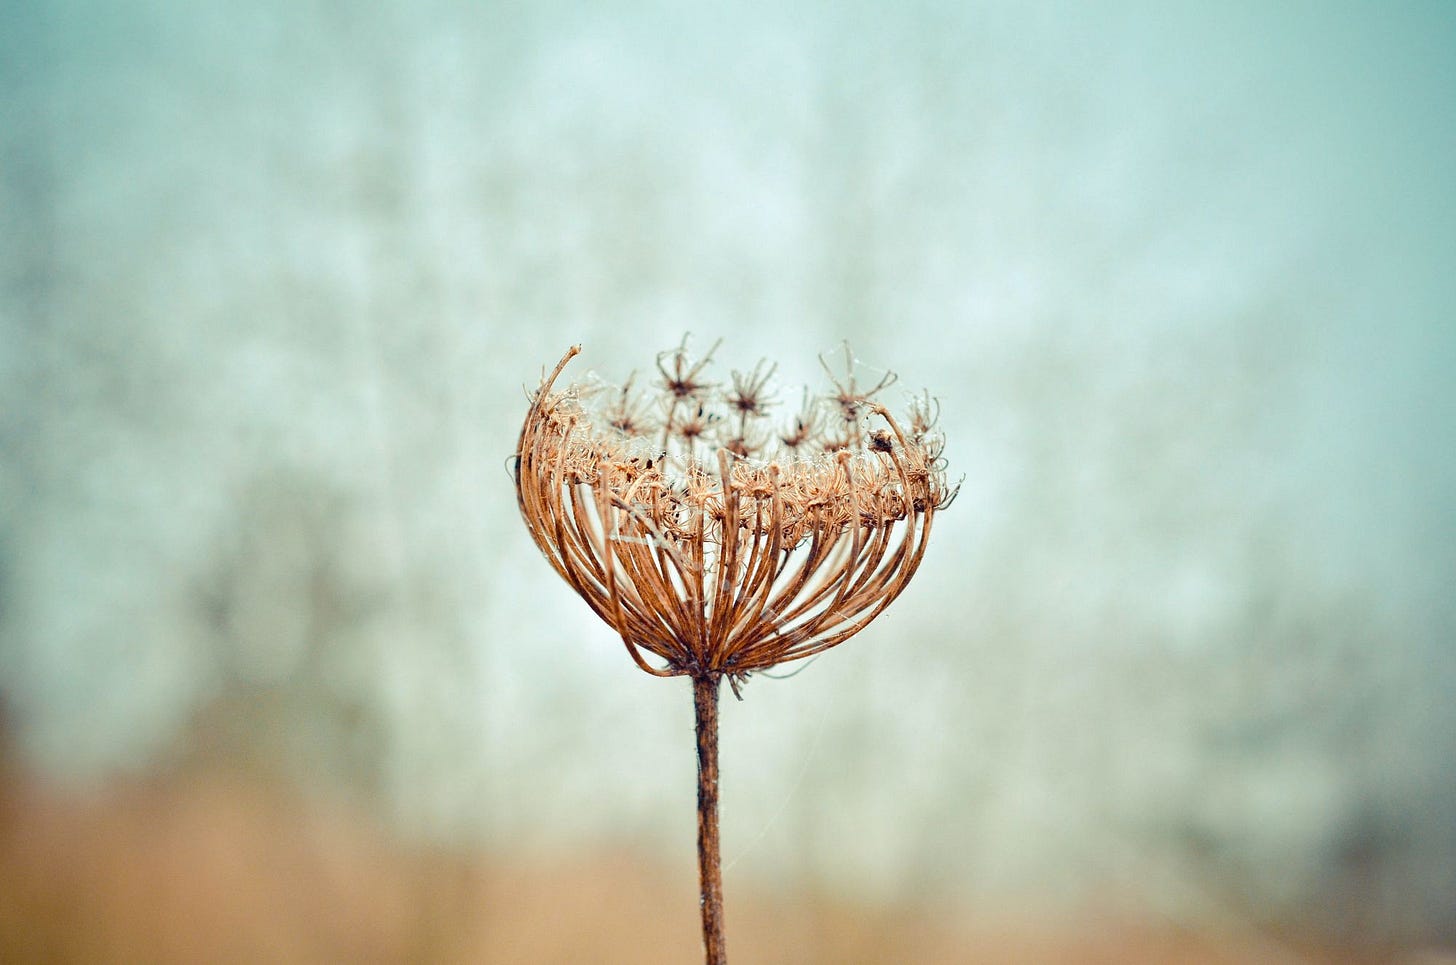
{"x":889,"y":581}
{"x":752,"y":581}
{"x":728,"y":572}
{"x":897,"y":577}
{"x":789,"y":577}
{"x":544,"y":513}
{"x":658,"y":628}
{"x":727,"y":553}
{"x":611,"y":549}
{"x":822,"y":593}
{"x":748,"y":848}
{"x":580,"y":551}
{"x":624,"y":615}
{"x":832,"y":625}
{"x":765,"y":554}
{"x":802,"y":596}
{"x":640,"y":619}
{"x":850,"y":398}
{"x":791,"y":673}
{"x":639,"y":553}
{"x":590,"y":563}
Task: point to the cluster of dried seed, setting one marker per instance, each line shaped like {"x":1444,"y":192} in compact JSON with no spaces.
{"x":715,"y":538}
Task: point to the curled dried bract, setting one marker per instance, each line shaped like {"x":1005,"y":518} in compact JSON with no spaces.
{"x":728,"y":547}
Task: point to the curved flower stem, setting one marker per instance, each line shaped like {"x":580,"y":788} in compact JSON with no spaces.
{"x":710,"y":870}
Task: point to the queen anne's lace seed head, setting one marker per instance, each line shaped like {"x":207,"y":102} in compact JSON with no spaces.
{"x":714,"y":539}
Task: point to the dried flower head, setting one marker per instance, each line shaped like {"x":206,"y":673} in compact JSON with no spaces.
{"x":714,"y":540}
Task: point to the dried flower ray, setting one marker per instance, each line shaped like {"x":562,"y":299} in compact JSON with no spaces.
{"x":728,"y":548}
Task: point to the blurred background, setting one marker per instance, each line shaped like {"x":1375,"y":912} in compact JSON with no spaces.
{"x":284,"y":678}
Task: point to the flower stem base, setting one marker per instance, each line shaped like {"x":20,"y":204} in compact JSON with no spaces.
{"x":710,"y":869}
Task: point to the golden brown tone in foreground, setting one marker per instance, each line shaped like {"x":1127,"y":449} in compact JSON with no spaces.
{"x":214,"y":867}
{"x":719,"y":546}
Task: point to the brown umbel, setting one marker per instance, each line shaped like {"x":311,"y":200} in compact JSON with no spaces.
{"x":718,"y":545}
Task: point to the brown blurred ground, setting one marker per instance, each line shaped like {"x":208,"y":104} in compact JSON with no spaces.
{"x":217,"y":867}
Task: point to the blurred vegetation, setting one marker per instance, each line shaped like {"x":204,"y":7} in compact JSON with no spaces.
{"x":274,"y":647}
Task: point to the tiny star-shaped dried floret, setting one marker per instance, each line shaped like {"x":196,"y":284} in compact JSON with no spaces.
{"x":713,"y":542}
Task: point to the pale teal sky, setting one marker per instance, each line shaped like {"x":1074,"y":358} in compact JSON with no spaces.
{"x":271,"y":280}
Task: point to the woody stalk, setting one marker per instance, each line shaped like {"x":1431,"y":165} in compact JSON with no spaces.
{"x":717,"y":543}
